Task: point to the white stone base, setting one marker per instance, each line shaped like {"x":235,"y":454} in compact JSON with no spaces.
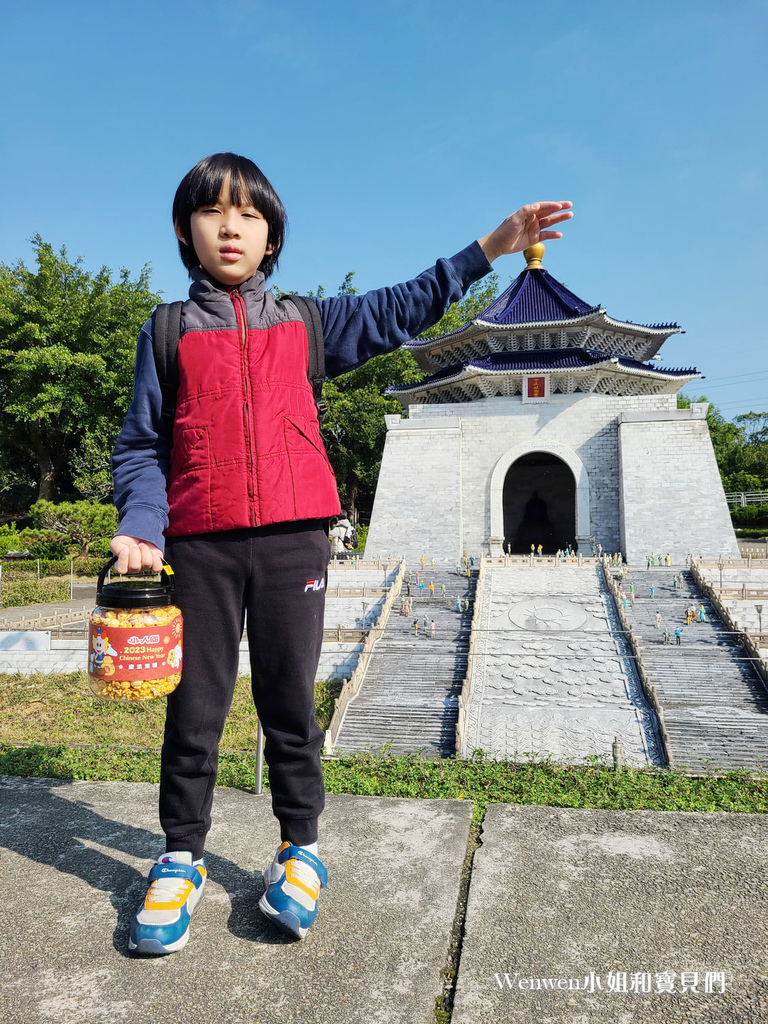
{"x":645,"y":476}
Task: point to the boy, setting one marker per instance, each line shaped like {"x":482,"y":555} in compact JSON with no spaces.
{"x":238,"y":490}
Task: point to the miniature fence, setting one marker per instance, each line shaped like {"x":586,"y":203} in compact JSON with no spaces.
{"x":466,"y":688}
{"x":634,"y":643}
{"x":748,"y":641}
{"x":510,"y":561}
{"x":754,"y":549}
{"x":365,"y":591}
{"x":743,"y":593}
{"x":44,"y":622}
{"x":362,"y":563}
{"x":748,"y":562}
{"x":339,"y":635}
{"x":352,"y":685}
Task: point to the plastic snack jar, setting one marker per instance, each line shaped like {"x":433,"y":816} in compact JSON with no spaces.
{"x":135,"y":638}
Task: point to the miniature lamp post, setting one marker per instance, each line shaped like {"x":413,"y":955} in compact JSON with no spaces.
{"x":365,"y":610}
{"x":721,"y":565}
{"x":759,"y":610}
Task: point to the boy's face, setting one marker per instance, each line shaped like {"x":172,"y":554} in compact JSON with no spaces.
{"x":230,"y":241}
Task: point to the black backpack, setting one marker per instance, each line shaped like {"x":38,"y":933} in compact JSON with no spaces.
{"x":167,"y":332}
{"x":350,"y":541}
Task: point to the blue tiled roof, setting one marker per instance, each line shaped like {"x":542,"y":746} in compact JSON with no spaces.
{"x":535,"y":297}
{"x":541,"y":360}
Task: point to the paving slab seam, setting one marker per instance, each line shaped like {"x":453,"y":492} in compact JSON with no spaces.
{"x":450,"y":973}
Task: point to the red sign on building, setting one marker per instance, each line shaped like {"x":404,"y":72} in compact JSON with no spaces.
{"x":536,"y":389}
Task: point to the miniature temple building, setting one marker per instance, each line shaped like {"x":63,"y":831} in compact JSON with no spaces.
{"x":546,"y":421}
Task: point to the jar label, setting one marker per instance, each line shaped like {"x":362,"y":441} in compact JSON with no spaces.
{"x":134,"y":653}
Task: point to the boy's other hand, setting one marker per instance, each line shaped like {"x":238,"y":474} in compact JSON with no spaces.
{"x":134,"y":554}
{"x":527,"y":226}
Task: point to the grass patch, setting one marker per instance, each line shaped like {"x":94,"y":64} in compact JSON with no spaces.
{"x":52,"y":726}
{"x":483,"y":782}
{"x":60,"y":709}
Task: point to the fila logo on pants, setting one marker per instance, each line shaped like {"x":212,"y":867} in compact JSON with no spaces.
{"x":314,"y":585}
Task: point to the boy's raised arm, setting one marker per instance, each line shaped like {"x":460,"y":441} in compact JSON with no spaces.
{"x":358,"y":327}
{"x":140,"y":458}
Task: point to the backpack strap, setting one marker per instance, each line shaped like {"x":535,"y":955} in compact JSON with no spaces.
{"x":166,"y":332}
{"x":310,"y":314}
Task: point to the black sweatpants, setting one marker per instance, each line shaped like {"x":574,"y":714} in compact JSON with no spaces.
{"x":276,"y":576}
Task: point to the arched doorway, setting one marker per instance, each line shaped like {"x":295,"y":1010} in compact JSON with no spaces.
{"x":539,"y":503}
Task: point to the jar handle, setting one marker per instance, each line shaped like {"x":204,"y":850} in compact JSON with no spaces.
{"x":166,"y":572}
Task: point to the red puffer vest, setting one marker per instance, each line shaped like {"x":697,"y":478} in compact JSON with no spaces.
{"x":246,"y":449}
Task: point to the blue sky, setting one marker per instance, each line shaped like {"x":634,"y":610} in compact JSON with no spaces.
{"x":397,"y":132}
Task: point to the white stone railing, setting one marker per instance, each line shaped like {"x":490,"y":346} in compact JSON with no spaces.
{"x":352,"y":685}
{"x":531,"y":561}
{"x":743,"y":593}
{"x":648,"y":689}
{"x":366,"y":590}
{"x":466,"y":688}
{"x":756,"y":550}
{"x":361,"y":563}
{"x":338,"y":634}
{"x":748,"y":562}
{"x":43,"y":622}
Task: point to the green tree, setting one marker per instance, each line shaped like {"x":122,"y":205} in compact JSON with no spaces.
{"x":754,"y":426}
{"x":83,"y":521}
{"x":741,"y":446}
{"x":67,"y":345}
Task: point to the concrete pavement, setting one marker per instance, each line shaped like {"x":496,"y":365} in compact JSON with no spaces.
{"x":554,"y":893}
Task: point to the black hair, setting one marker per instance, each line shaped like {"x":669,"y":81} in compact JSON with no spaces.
{"x":202,"y":186}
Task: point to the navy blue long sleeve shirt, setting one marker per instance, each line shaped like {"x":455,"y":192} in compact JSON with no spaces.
{"x":356,"y":328}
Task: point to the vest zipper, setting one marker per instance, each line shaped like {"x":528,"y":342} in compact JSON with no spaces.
{"x":242,"y":324}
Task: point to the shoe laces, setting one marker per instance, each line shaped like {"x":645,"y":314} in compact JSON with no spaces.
{"x":304,"y":874}
{"x":168,"y":890}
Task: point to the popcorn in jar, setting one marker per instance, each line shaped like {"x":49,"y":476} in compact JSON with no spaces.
{"x":135,"y":638}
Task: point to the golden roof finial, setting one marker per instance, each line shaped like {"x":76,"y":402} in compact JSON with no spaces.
{"x":534,"y":254}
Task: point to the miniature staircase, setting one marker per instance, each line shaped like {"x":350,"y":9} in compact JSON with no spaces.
{"x":714,"y":702}
{"x":409,"y":697}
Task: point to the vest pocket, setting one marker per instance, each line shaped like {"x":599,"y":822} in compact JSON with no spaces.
{"x":191,"y":450}
{"x":311,"y":476}
{"x":303,"y":436}
{"x":189,"y":489}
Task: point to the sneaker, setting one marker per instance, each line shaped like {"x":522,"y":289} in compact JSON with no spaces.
{"x":176,"y":888}
{"x":293,"y":882}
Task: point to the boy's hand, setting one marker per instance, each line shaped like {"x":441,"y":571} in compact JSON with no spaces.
{"x":134,"y":554}
{"x":525,"y":227}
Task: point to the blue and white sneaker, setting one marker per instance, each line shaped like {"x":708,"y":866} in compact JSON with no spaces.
{"x":175,"y":890}
{"x":293,"y":880}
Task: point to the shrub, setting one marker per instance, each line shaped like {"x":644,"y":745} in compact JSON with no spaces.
{"x":39,"y":543}
{"x":744,"y":513}
{"x":17,"y":593}
{"x":55,"y":567}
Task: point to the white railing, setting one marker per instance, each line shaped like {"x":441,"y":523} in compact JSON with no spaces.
{"x":648,"y":689}
{"x":749,"y":562}
{"x":356,"y":562}
{"x":366,"y":590}
{"x":511,"y":561}
{"x":736,"y":499}
{"x":352,"y":685}
{"x":466,"y":688}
